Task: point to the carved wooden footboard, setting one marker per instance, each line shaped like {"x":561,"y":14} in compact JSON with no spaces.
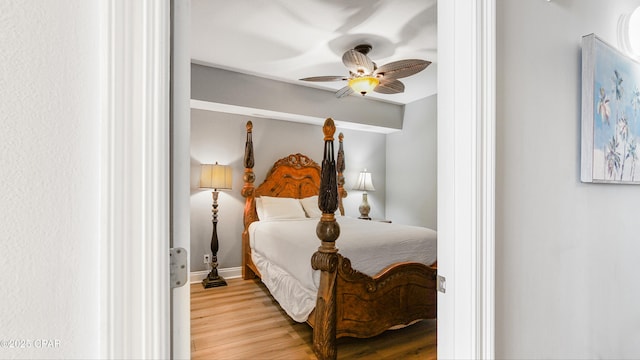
{"x":367,"y":306}
{"x":349,"y":303}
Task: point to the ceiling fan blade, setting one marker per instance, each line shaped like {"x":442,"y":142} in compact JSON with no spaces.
{"x":325,"y":78}
{"x":402,"y":68}
{"x":347,"y":90}
{"x":389,"y":87}
{"x":357,"y":62}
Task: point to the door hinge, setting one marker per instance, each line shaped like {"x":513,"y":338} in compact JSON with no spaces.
{"x":441,"y":284}
{"x":177,"y":267}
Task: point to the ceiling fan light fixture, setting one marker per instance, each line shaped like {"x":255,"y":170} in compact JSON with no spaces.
{"x":365,"y":76}
{"x":364,"y":84}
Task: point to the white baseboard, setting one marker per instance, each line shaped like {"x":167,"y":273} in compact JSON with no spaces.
{"x":227,"y":273}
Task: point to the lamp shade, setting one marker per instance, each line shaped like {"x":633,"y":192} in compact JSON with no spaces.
{"x":214,"y":176}
{"x":364,"y":84}
{"x":364,"y":182}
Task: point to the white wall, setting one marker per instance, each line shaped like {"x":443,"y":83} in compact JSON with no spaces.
{"x":49,"y":141}
{"x":566,"y":252}
{"x":411,"y":166}
{"x":221,"y":137}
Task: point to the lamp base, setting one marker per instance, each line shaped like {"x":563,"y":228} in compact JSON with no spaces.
{"x":213,"y":281}
{"x":364,"y":208}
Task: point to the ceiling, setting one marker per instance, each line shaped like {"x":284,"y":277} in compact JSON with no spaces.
{"x":287,"y":40}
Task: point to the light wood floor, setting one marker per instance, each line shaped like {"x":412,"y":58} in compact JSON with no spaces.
{"x":243,"y":321}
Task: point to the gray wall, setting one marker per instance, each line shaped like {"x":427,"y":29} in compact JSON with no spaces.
{"x":232,"y":88}
{"x":220,"y":137}
{"x":566,"y":252}
{"x":411,"y":166}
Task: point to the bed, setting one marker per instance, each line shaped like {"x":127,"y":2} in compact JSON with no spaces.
{"x":378,"y":280}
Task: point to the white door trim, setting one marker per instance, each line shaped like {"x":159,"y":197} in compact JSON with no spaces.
{"x":466,"y":177}
{"x":485,"y":301}
{"x":181,"y":170}
{"x":134,"y":75}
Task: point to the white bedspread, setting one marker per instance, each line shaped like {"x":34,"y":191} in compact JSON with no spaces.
{"x":282,"y":253}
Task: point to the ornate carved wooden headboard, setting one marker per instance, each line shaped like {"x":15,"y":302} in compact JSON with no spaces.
{"x":294,"y":176}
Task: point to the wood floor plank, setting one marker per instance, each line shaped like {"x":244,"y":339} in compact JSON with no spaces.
{"x":243,"y":321}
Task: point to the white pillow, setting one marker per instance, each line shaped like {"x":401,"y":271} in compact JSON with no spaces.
{"x":281,"y":208}
{"x":259,"y":208}
{"x":310,"y":205}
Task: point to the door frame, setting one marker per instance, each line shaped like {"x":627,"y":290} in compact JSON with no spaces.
{"x":466,"y":177}
{"x":181,"y":170}
{"x":136,"y":191}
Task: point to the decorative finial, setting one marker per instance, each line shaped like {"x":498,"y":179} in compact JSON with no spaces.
{"x":249,"y":126}
{"x":329,"y":128}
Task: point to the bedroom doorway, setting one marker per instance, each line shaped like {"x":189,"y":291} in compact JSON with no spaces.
{"x":465,"y":204}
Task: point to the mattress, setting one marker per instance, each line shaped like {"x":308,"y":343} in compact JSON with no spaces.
{"x":282,"y":250}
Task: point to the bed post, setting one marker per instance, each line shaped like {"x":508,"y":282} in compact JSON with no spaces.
{"x":326,"y":258}
{"x":249,"y":207}
{"x":342,"y":193}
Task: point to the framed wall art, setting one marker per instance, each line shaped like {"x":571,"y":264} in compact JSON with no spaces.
{"x":610,"y":114}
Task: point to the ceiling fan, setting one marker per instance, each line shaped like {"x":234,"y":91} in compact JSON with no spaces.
{"x":365,"y":75}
